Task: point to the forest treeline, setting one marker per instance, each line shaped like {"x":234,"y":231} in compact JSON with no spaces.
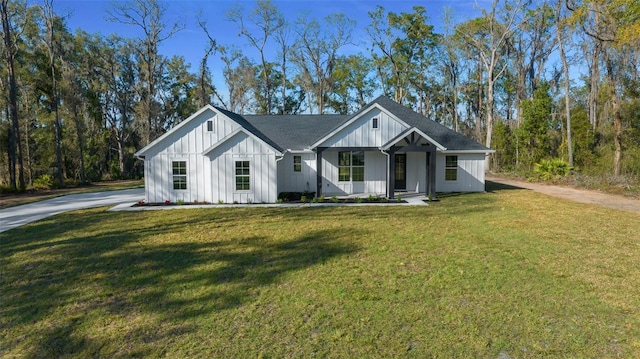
{"x":75,"y":107}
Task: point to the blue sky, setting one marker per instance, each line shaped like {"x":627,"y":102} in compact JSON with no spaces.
{"x":90,"y":15}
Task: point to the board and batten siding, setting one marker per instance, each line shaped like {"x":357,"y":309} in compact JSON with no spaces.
{"x":290,"y":181}
{"x":470,"y":173}
{"x":417,"y":172}
{"x":361,"y":134}
{"x":262,"y":171}
{"x":210,"y":177}
{"x":375,"y":175}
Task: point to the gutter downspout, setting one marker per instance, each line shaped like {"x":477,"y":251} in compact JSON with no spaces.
{"x":281,"y":157}
{"x":386,"y":187}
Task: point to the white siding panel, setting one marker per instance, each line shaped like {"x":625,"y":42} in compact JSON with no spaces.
{"x":290,"y":181}
{"x":194,"y":137}
{"x":375,"y":173}
{"x":330,"y":184}
{"x":470,"y":173}
{"x":416,"y":171}
{"x":262,"y":170}
{"x":361,"y":134}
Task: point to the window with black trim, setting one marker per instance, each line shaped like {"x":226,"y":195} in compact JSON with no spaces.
{"x":451,"y":168}
{"x":243,"y":176}
{"x":297,"y":163}
{"x":351,"y":166}
{"x":374,"y":123}
{"x":210,"y":127}
{"x":179,"y":170}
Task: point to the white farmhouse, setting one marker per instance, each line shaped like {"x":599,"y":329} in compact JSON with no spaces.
{"x":220,"y":156}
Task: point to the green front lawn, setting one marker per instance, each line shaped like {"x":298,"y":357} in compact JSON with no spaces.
{"x":510,"y":273}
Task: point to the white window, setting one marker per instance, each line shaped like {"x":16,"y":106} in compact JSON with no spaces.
{"x":243,"y":176}
{"x":297,"y":163}
{"x":451,"y":168}
{"x":179,"y":169}
{"x":351,"y":166}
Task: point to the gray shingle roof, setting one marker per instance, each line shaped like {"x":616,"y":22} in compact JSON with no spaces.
{"x":297,"y":132}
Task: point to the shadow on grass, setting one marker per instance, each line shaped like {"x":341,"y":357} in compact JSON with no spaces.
{"x":53,"y":288}
{"x":493,"y":187}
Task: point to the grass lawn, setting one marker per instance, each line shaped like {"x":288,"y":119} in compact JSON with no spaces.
{"x":510,"y":274}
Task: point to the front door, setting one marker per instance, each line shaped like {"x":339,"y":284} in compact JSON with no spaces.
{"x":401,"y":172}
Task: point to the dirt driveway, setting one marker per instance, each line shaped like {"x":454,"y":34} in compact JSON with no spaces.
{"x":573,"y":194}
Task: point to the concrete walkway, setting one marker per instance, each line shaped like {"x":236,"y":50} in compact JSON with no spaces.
{"x":410,"y":199}
{"x":13,"y":217}
{"x":574,"y":194}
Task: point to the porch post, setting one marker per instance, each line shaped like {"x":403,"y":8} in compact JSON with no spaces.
{"x":391,"y":178}
{"x":319,"y":171}
{"x":427,"y":173}
{"x":431,"y":159}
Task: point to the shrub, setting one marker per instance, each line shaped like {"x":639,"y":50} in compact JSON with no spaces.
{"x":295,"y":196}
{"x":334,"y":199}
{"x":303,"y":199}
{"x":43,"y":182}
{"x":551,"y":169}
{"x":7,"y":189}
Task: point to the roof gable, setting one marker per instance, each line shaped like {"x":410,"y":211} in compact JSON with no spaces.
{"x":356,"y":126}
{"x":446,"y":137}
{"x":143,"y":151}
{"x":409,"y":132}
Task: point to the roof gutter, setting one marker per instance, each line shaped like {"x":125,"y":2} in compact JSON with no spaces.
{"x":280,"y":157}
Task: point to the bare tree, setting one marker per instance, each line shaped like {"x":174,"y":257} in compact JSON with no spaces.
{"x":205,"y":87}
{"x":316,"y":52}
{"x":266,"y":17}
{"x":148,"y":16}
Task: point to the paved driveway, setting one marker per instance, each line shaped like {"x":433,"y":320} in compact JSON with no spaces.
{"x":20,"y":215}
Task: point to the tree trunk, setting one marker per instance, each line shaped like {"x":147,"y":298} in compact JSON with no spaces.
{"x":489,"y":124}
{"x":121,"y":146}
{"x":15,"y":144}
{"x":80,"y":135}
{"x":617,"y":118}
{"x":57,"y":125}
{"x":565,"y":67}
{"x":594,"y":86}
{"x":11,"y":150}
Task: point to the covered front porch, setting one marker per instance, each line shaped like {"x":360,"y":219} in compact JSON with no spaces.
{"x":405,"y":165}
